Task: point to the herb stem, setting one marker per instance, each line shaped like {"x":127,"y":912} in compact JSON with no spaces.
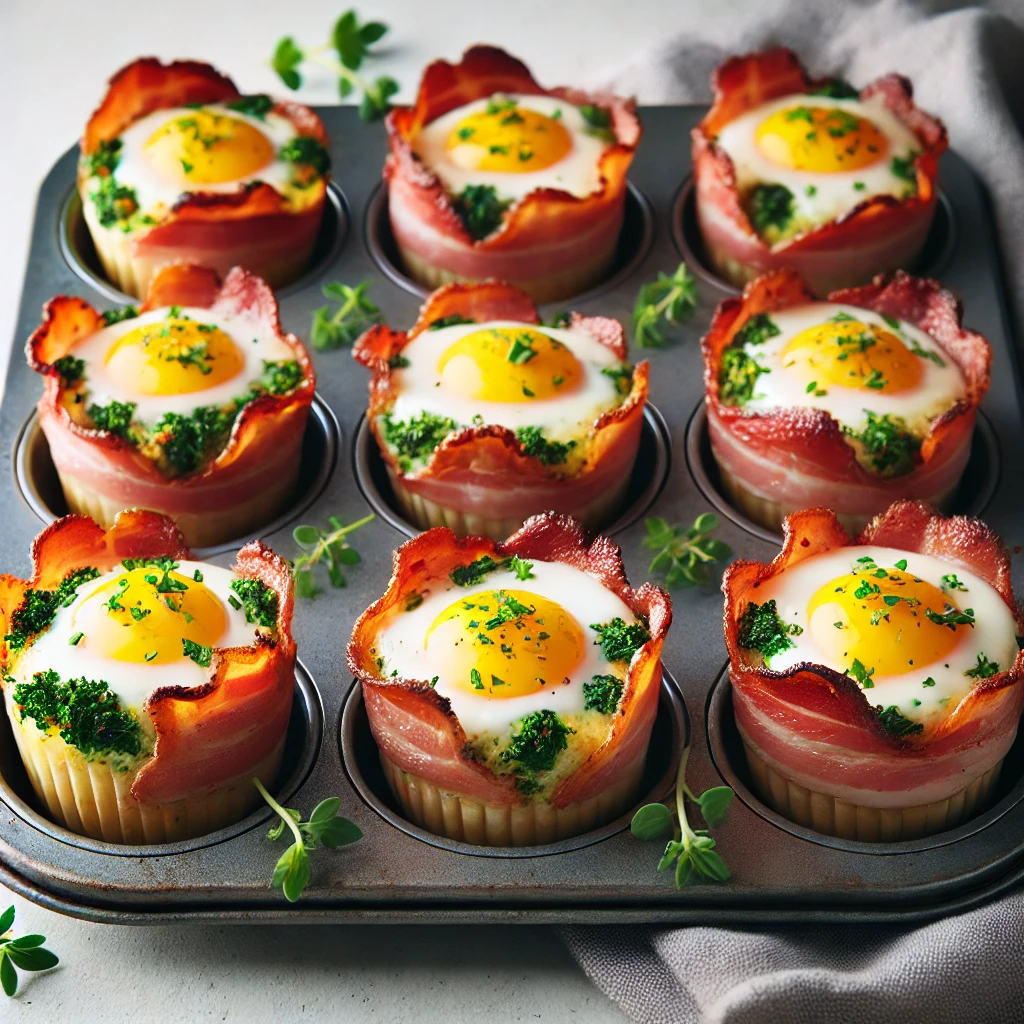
{"x":331,"y":538}
{"x":313,"y":55}
{"x":681,"y":793}
{"x":280,"y":811}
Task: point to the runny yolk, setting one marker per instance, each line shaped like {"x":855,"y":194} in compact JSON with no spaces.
{"x":508,"y":138}
{"x":508,"y":364}
{"x":846,"y":353}
{"x":880,"y":616}
{"x":506,"y":643}
{"x":206,"y":148}
{"x":820,"y":139}
{"x":143,"y":614}
{"x":173,"y":357}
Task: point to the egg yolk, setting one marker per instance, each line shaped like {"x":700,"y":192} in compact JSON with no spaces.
{"x":820,"y":139}
{"x":506,"y":643}
{"x":173,"y":357}
{"x":143,"y":614}
{"x":846,"y":353}
{"x":207,"y":148}
{"x":880,"y":616}
{"x":508,"y":138}
{"x":508,"y":364}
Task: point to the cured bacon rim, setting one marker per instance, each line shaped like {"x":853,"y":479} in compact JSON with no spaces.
{"x":552,"y":537}
{"x":911,"y":526}
{"x":745,"y":82}
{"x":68,"y":321}
{"x":498,"y":446}
{"x":147,"y":85}
{"x":483,"y":71}
{"x":923,"y":302}
{"x":206,"y":734}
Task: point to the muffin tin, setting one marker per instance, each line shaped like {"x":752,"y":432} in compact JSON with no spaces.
{"x":399,"y":872}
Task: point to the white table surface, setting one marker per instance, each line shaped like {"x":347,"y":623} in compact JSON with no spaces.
{"x":56,"y":57}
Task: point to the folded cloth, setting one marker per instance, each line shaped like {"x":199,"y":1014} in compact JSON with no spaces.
{"x":967,"y":66}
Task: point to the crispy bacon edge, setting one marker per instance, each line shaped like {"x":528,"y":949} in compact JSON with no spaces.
{"x":543,"y":213}
{"x":812,"y":433}
{"x":549,"y":536}
{"x":493,"y":445}
{"x":147,"y":85}
{"x":744,"y":82}
{"x":68,"y":321}
{"x":205,"y":735}
{"x":909,"y":526}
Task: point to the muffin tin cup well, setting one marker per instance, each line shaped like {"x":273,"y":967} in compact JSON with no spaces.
{"x":635,"y":240}
{"x":977,"y":486}
{"x":80,"y":254}
{"x":397,"y":872}
{"x":362,"y":762}
{"x":302,"y":744}
{"x":727,"y":752}
{"x":650,"y":473}
{"x":935,"y":255}
{"x":40,"y":486}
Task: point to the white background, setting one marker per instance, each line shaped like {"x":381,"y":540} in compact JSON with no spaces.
{"x":56,"y":58}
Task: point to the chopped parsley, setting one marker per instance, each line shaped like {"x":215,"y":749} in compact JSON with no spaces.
{"x":550,"y":453}
{"x":85,"y":712}
{"x":761,"y":629}
{"x":522,"y":569}
{"x":259,"y":601}
{"x":603,"y":694}
{"x":622,"y":375}
{"x":903,"y":167}
{"x":114,"y":418}
{"x":201,"y":655}
{"x":119,"y":314}
{"x":620,"y":640}
{"x":835,"y":88}
{"x":415,"y":440}
{"x":861,"y":674}
{"x":449,"y":321}
{"x":473,"y":573}
{"x":103,"y":160}
{"x":38,"y":608}
{"x":304,"y":149}
{"x":480,"y":210}
{"x":984,"y":669}
{"x":257,"y":105}
{"x":737,"y":376}
{"x":115,"y":204}
{"x":535,"y":746}
{"x":951,"y":617}
{"x":757,"y":330}
{"x":70,"y":368}
{"x":889,"y":447}
{"x":896,"y":723}
{"x":599,"y":121}
{"x":281,"y":376}
{"x":770,"y":208}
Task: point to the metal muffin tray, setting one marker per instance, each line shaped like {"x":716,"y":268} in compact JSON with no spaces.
{"x":399,"y":872}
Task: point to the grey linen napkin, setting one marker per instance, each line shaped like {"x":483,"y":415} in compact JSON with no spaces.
{"x":967,"y":66}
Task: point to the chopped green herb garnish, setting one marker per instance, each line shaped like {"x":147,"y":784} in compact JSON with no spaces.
{"x":602,"y":693}
{"x":896,"y":723}
{"x":889,"y":447}
{"x":620,"y":640}
{"x":761,"y":629}
{"x":259,"y":601}
{"x":550,"y":453}
{"x":39,"y":607}
{"x":416,"y":439}
{"x":984,"y":669}
{"x":201,"y":655}
{"x":770,"y":208}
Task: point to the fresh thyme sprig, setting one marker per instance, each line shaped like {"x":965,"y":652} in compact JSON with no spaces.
{"x":325,"y":828}
{"x":343,"y":55}
{"x":667,"y":300}
{"x":331,"y":548}
{"x":691,"y":851}
{"x":355,"y":314}
{"x":25,"y":953}
{"x":684,"y":555}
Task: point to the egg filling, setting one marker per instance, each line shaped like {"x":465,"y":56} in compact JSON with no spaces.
{"x":914,"y":632}
{"x":519,"y":647}
{"x":136,"y":180}
{"x":883,"y":380}
{"x":801,"y":161}
{"x":85,"y":658}
{"x":547,"y":385}
{"x":172,"y":381}
{"x":494,"y":151}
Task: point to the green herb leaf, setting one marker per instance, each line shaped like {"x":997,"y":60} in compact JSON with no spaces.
{"x":355,"y":313}
{"x":714,"y":804}
{"x":286,"y":58}
{"x":889,"y":448}
{"x":550,"y":453}
{"x":668,"y":300}
{"x":620,"y":641}
{"x":201,"y":655}
{"x":652,"y":821}
{"x":330,"y":547}
{"x":761,"y":629}
{"x":770,"y":209}
{"x":684,"y":555}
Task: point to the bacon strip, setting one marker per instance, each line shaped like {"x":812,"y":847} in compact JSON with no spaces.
{"x":546,"y":232}
{"x":820,"y":726}
{"x":881,"y":233}
{"x":801,"y":454}
{"x":415,"y":727}
{"x":251,"y":227}
{"x":266,"y":432}
{"x":482,"y":469}
{"x":207,"y":735}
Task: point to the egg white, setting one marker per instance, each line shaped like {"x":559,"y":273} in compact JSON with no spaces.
{"x":576,"y":173}
{"x":940,"y":387}
{"x":132,"y":682}
{"x":833,"y":193}
{"x":420,"y":386}
{"x":402,"y":645}
{"x":255,"y":339}
{"x":994,"y":632}
{"x":157,"y":193}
